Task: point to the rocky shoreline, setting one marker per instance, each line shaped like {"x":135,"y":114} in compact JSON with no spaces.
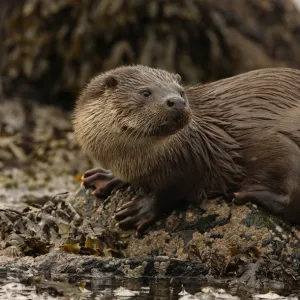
{"x":74,"y":232}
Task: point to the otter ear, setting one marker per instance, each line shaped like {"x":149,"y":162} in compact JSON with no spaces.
{"x":178,"y":78}
{"x":110,"y":82}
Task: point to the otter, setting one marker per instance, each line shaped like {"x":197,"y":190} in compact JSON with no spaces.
{"x":238,"y":137}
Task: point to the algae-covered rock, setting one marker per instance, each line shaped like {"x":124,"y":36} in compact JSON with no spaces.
{"x":221,"y":238}
{"x":52,"y":48}
{"x":221,"y":235}
{"x":66,"y":229}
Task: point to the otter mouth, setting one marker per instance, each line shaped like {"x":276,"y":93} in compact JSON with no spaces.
{"x":171,"y":125}
{"x":165,"y":130}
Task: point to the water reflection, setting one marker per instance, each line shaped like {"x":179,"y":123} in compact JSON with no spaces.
{"x":14,"y":286}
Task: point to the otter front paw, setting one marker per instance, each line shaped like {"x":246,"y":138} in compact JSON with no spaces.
{"x":139,"y":213}
{"x":102,"y":180}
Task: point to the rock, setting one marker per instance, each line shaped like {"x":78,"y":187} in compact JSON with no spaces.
{"x":75,"y":231}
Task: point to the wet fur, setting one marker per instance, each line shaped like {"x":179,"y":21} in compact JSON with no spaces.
{"x":244,"y":130}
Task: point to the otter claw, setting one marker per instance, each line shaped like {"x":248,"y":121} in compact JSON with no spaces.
{"x":145,"y":224}
{"x":102,"y":180}
{"x":127,"y":211}
{"x":129,"y":222}
{"x":125,"y":206}
{"x":96,"y":178}
{"x":96,"y":170}
{"x":138,"y":213}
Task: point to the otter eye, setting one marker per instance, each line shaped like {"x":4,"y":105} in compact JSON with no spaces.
{"x":182,"y":94}
{"x":146,"y":93}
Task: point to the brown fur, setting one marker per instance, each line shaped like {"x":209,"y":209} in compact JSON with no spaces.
{"x":239,"y":133}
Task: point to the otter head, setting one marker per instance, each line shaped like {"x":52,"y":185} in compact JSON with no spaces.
{"x":132,"y":101}
{"x":153,"y":103}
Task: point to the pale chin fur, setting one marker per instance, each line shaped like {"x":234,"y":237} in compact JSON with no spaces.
{"x":113,"y":148}
{"x":100,"y":141}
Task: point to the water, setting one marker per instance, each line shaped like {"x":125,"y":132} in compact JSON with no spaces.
{"x":80,"y":288}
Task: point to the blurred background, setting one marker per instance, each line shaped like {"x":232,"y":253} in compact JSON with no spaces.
{"x":50,"y":49}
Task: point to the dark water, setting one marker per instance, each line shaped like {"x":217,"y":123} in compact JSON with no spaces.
{"x":13,"y":286}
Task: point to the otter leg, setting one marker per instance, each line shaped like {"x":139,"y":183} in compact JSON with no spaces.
{"x":261,"y":195}
{"x":103,"y":181}
{"x":142,"y":212}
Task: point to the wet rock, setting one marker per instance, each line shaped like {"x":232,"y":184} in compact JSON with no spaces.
{"x":77,"y":234}
{"x":68,"y":230}
{"x":38,"y":153}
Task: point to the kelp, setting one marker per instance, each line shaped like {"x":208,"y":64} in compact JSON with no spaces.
{"x":52,"y":48}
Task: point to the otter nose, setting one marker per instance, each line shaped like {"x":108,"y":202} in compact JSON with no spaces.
{"x":175,"y":102}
